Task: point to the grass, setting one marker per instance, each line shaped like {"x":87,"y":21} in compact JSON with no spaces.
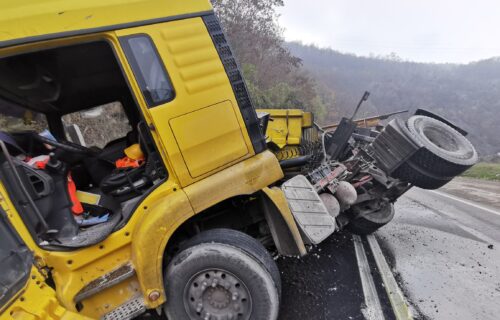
{"x":484,"y":170}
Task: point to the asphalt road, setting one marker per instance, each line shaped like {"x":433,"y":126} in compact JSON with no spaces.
{"x":442,"y":258}
{"x":445,"y":252}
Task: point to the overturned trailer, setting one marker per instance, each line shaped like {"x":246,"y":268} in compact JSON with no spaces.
{"x":359,"y":168}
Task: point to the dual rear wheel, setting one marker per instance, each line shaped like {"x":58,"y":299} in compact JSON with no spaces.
{"x":444,"y":153}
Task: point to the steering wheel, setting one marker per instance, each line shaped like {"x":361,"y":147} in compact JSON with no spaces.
{"x":65,"y":145}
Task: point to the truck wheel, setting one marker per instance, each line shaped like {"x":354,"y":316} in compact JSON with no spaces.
{"x":368,"y":222}
{"x":418,"y":177}
{"x":445,"y":154}
{"x":222,"y":274}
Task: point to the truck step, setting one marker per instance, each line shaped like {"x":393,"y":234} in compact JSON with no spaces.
{"x":127,"y":311}
{"x":311,"y":215}
{"x":108,"y":280}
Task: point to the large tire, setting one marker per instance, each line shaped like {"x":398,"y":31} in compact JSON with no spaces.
{"x":225,"y":273}
{"x":421,"y":178}
{"x":445,"y":153}
{"x":367,"y":223}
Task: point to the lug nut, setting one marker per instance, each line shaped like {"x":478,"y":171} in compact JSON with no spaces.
{"x":199,"y":307}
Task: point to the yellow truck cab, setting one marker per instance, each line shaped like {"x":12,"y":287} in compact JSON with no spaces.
{"x":136,"y":175}
{"x":80,"y":83}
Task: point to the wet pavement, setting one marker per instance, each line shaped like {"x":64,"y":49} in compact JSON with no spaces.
{"x":446,"y":256}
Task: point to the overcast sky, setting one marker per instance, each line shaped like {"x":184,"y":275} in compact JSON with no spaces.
{"x":418,"y":30}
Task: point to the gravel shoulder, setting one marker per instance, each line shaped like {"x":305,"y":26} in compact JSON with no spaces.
{"x":484,"y":192}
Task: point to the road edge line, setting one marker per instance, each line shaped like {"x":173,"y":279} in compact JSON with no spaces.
{"x":398,"y":301}
{"x":479,"y":235}
{"x":372,"y":300}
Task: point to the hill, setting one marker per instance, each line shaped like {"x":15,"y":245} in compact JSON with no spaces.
{"x":468,"y":95}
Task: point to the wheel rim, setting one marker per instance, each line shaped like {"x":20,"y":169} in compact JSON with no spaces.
{"x":441,"y":138}
{"x":217,"y":294}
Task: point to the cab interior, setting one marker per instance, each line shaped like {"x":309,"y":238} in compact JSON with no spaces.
{"x":72,"y":108}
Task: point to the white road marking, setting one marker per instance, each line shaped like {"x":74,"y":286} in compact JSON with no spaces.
{"x":373,"y":307}
{"x":396,"y":297}
{"x":469,"y":203}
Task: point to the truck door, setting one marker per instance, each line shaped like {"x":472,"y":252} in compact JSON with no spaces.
{"x":188,"y":96}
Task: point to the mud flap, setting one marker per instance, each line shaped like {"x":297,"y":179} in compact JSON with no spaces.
{"x":311,"y":215}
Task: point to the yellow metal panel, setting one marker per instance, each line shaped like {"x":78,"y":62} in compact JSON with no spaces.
{"x":246,"y":177}
{"x":73,"y":270}
{"x":111,"y":298}
{"x":30,"y":18}
{"x":294,"y":130}
{"x":164,"y":211}
{"x":204,"y":143}
{"x":37,"y":301}
{"x":307,"y":120}
{"x":199,"y":80}
{"x":277,"y":130}
{"x":277,"y":196}
{"x":286,"y":125}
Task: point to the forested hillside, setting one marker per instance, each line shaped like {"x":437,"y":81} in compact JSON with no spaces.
{"x":291,"y":75}
{"x":466,"y":94}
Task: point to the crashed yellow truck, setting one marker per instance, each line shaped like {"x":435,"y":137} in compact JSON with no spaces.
{"x":136,"y":174}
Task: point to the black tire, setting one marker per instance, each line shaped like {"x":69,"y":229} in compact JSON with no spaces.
{"x":445,"y":153}
{"x":237,"y":264}
{"x":418,"y":177}
{"x":368,"y":223}
{"x":242,"y":241}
